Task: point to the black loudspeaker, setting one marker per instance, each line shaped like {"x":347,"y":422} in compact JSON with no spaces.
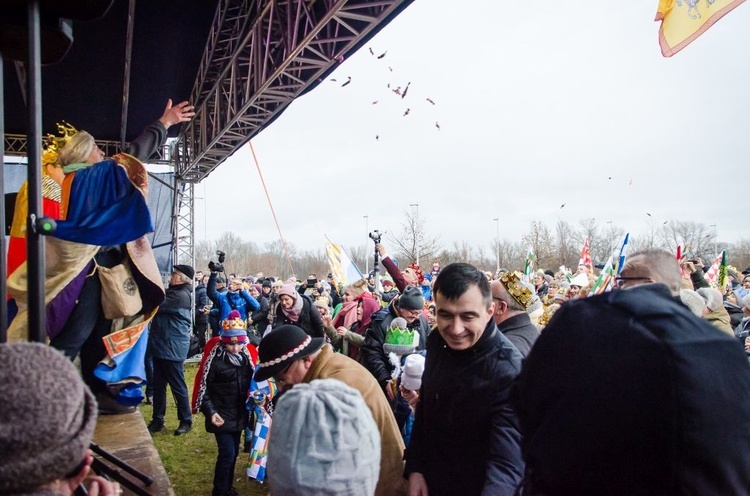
{"x":10,"y":209}
{"x":56,"y":26}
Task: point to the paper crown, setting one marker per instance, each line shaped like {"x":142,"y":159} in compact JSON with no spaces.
{"x":514,"y":285}
{"x":234,"y":321}
{"x":54,"y":144}
{"x":399,"y":339}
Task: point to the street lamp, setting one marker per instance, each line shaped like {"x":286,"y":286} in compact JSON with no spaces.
{"x":367,"y":231}
{"x":497,"y":244}
{"x":416,"y":228}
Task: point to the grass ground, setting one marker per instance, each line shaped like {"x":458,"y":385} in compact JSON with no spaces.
{"x":189,"y":460}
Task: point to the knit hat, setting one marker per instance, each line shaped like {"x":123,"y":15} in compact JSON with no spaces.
{"x":411,"y":299}
{"x":580,"y":280}
{"x":282,"y":346}
{"x":693,"y":301}
{"x":47,"y":418}
{"x":185,"y":269}
{"x":288,"y":289}
{"x":267,"y":283}
{"x":329,"y":444}
{"x":387,"y":282}
{"x":257,"y":287}
{"x":411,"y":377}
{"x":712,"y":297}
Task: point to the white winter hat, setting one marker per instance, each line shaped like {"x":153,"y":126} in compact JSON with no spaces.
{"x":412,"y":372}
{"x":580,"y":280}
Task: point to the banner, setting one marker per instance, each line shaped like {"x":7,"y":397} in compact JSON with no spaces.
{"x":342,"y":266}
{"x":682,"y":21}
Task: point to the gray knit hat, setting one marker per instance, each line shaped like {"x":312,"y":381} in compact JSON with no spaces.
{"x":324,"y":442}
{"x":411,"y":299}
{"x":693,"y":301}
{"x":47,"y":417}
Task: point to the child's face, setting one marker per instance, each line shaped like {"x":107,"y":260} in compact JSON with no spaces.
{"x":235,"y":348}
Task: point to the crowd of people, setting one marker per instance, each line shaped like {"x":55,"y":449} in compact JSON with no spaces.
{"x":448,"y":381}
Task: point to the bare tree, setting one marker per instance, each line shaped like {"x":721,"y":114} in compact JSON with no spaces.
{"x":540,"y":239}
{"x":567,"y":251}
{"x":414,"y":239}
{"x":696,"y":239}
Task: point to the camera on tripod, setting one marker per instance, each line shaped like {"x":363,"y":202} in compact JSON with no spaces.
{"x":218,"y":267}
{"x":375,"y":236}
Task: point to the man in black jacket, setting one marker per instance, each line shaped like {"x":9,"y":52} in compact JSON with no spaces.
{"x":512,"y":297}
{"x":466,"y":438}
{"x":628,"y":392}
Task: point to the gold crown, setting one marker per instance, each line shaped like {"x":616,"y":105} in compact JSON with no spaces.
{"x":54,"y":144}
{"x":234,"y":324}
{"x":513,"y":284}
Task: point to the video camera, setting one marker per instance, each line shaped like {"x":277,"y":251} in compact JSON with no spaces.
{"x":375,"y":236}
{"x":218,"y":267}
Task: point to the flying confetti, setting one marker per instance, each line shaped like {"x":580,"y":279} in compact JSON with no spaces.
{"x":371,"y":52}
{"x":377,"y":137}
{"x":382,"y":54}
{"x":430,"y":100}
{"x":376,"y":101}
{"x":648,"y":214}
{"x":562,"y":206}
{"x":349,"y":80}
{"x":397,"y":90}
{"x":405,"y":90}
{"x":333,"y":79}
{"x":437,"y":125}
{"x":407,"y":112}
{"x":390,"y":68}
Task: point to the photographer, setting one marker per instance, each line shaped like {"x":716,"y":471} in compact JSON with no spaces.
{"x":237,"y":298}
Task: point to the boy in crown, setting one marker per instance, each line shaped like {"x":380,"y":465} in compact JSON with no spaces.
{"x":222,"y":386}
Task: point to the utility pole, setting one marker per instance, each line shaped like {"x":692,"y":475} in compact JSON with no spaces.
{"x":497,"y":244}
{"x":416,"y":228}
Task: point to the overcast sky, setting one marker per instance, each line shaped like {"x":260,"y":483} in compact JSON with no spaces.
{"x":537,"y":107}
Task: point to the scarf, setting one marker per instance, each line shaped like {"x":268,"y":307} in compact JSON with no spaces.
{"x":347,"y":315}
{"x":293,"y":313}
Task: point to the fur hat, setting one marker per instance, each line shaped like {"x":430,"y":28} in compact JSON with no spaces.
{"x":411,"y":299}
{"x":329,"y":443}
{"x":47,"y":418}
{"x":282,"y":346}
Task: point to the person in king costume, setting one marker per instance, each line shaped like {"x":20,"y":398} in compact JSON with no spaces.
{"x":103,"y":219}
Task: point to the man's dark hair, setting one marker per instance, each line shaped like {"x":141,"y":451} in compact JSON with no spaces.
{"x":455,"y":279}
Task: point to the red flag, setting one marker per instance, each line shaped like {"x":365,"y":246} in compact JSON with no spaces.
{"x":585,"y":258}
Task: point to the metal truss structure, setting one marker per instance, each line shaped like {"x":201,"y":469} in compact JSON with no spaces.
{"x":15,"y":145}
{"x":261,"y":55}
{"x":184,"y":226}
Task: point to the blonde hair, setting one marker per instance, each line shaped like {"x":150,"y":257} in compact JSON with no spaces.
{"x":357,"y":287}
{"x":76,"y":150}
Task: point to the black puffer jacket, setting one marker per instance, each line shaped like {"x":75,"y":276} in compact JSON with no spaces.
{"x":465,"y":408}
{"x":226,"y":392}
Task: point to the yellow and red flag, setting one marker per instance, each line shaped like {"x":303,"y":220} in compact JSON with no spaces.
{"x":682,"y":21}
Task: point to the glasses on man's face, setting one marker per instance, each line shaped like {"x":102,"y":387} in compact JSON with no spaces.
{"x":622,"y":282}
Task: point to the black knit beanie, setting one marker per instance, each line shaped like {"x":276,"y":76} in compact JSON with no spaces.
{"x":411,"y":299}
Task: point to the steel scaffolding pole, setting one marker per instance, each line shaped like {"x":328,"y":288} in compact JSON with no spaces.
{"x":183,"y":250}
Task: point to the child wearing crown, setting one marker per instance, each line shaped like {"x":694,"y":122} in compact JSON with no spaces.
{"x":222,"y":386}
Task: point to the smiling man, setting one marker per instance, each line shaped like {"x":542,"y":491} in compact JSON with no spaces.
{"x":466,"y":438}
